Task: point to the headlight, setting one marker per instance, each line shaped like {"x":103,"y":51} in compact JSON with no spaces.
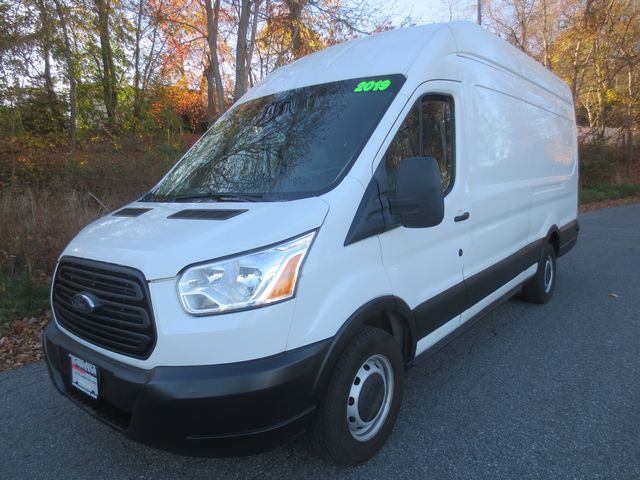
{"x":251,"y":280}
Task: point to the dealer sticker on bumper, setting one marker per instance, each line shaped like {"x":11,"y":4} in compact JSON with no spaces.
{"x":84,"y":376}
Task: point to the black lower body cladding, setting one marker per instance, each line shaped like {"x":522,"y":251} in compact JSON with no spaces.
{"x":568,"y":237}
{"x":230,"y":409}
{"x":435,"y":312}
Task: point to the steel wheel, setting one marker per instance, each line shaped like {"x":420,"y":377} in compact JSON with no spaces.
{"x":540,"y":287}
{"x":362,"y":398}
{"x":548,"y":274}
{"x":370,"y":398}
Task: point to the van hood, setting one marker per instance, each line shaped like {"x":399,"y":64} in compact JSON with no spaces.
{"x":161,"y":246}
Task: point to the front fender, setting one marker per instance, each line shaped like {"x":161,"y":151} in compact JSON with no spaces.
{"x":389,"y":304}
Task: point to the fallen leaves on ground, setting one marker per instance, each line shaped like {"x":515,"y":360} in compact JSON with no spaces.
{"x":608,"y":203}
{"x":23,"y":343}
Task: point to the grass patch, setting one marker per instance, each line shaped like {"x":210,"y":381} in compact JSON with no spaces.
{"x":21,"y":296}
{"x":608,"y":192}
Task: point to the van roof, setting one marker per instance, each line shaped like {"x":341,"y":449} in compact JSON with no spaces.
{"x":414,"y":52}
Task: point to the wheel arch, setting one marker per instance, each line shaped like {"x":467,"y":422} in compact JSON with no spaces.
{"x":553,"y":238}
{"x":389,"y":313}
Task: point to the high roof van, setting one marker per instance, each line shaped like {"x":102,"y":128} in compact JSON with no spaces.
{"x":343,"y":219}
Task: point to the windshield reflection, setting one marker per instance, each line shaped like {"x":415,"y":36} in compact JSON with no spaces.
{"x":288,"y":145}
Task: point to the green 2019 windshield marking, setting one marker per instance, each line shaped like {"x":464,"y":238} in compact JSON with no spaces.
{"x":372,"y":85}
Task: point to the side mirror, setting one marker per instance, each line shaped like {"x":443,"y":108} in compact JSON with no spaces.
{"x":419,"y":198}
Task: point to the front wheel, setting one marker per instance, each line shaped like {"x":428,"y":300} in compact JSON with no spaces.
{"x":361,"y":403}
{"x":540,"y":287}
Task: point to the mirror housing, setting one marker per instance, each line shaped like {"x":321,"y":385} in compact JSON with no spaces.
{"x":419,"y":197}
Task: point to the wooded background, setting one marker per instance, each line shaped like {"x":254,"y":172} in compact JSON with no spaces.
{"x":117,"y":66}
{"x":99,"y":97}
{"x":78,"y":67}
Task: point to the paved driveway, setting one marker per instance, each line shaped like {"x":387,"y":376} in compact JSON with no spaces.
{"x":529,"y":392}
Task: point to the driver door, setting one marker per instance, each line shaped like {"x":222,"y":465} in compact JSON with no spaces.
{"x":426,"y":265}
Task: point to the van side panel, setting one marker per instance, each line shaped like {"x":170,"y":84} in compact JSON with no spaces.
{"x":524,"y":156}
{"x":555,"y":199}
{"x":499,"y":188}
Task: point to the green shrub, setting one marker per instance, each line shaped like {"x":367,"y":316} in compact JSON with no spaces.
{"x":21,"y":296}
{"x":599,"y":163}
{"x":608,"y":192}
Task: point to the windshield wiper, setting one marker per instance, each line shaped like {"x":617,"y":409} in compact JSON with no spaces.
{"x":219,"y":197}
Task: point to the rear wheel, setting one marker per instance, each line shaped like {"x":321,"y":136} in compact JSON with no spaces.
{"x":540,"y":287}
{"x":362,"y":400}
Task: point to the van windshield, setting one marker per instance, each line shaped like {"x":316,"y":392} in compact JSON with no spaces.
{"x":292,"y":144}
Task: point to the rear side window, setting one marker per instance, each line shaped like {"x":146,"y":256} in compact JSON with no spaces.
{"x":427,"y":131}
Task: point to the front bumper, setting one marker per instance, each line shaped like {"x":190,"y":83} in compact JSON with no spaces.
{"x":229,"y":409}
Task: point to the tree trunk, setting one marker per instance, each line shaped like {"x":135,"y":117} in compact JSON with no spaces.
{"x":211,"y":94}
{"x":70,"y":73}
{"x":214,"y":78}
{"x":153,"y":52}
{"x":137,"y":94}
{"x":545,"y":34}
{"x":252,"y":43}
{"x":242,"y":49}
{"x":629,"y":140}
{"x":295,"y":13}
{"x":45,"y":32}
{"x":576,"y":71}
{"x":108,"y":69}
{"x":601,"y":91}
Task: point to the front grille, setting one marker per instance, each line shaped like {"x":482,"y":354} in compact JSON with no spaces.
{"x":123,"y":319}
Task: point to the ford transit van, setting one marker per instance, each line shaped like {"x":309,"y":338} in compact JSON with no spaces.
{"x":347,"y":216}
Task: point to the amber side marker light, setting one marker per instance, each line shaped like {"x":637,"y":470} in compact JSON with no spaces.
{"x":287,"y":281}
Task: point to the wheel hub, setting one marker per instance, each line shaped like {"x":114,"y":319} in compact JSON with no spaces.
{"x":370,"y":397}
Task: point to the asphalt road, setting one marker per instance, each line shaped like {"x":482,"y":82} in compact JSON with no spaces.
{"x":530,"y":391}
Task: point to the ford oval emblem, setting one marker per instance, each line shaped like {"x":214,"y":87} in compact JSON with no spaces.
{"x":84,"y":302}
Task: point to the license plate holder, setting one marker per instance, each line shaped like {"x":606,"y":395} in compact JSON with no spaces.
{"x":84,"y":376}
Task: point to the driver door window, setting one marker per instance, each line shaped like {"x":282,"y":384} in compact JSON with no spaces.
{"x":427,"y":131}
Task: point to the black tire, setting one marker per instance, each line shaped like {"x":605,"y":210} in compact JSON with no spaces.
{"x":371,"y":354}
{"x":540,"y":287}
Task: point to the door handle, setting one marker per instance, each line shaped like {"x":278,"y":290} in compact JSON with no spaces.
{"x":462,"y":217}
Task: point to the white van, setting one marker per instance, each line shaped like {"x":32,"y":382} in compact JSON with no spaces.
{"x":349,"y":214}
